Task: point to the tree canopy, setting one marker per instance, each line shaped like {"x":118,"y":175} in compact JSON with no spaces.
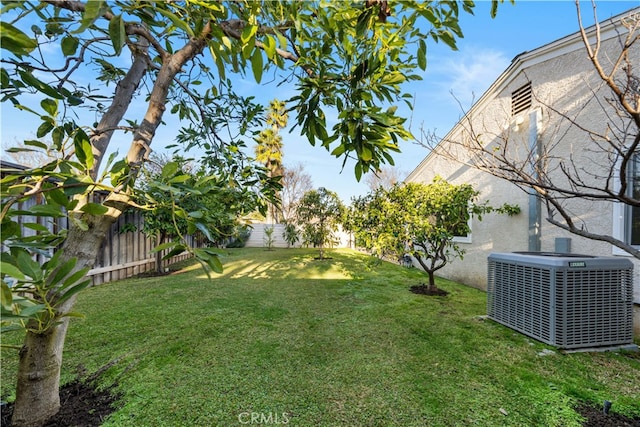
{"x":319,"y":213}
{"x":93,"y":73}
{"x":418,"y":219}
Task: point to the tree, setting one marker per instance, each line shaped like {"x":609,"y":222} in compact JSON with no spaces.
{"x":269,"y":148}
{"x":587,"y":150}
{"x":318,"y":214}
{"x":290,"y":234}
{"x":419,"y":219}
{"x":295,"y":183}
{"x":159,"y":221}
{"x":176,"y":58}
{"x":218,"y":211}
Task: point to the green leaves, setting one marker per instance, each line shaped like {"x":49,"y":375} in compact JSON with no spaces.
{"x":92,"y":11}
{"x":94,"y":209}
{"x":318,"y":214}
{"x":422,"y":219}
{"x":12,"y":270}
{"x":83,"y":149}
{"x":15,"y":41}
{"x":29,"y":267}
{"x":248,"y":34}
{"x":69,"y":45}
{"x":422,"y":55}
{"x":257,"y":64}
{"x":50,"y":106}
{"x":176,"y":21}
{"x":30,"y":80}
{"x":209,"y":258}
{"x":170,"y":169}
{"x":117,"y":33}
{"x":6,"y":297}
{"x":33,"y":295}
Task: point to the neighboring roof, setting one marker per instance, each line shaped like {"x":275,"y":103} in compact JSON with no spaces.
{"x":609,"y":28}
{"x":4,"y":165}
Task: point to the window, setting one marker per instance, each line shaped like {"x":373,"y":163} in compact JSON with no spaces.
{"x":521,"y":99}
{"x":626,"y":219}
{"x":632,"y":217}
{"x":463,"y":234}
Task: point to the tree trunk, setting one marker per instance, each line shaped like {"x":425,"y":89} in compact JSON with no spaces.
{"x":37,"y":397}
{"x":432,"y":281}
{"x":161,"y":236}
{"x":37,"y":389}
{"x":430,"y":269}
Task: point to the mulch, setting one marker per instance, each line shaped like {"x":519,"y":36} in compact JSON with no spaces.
{"x":81,"y":405}
{"x":423,"y":289}
{"x":597,"y":418}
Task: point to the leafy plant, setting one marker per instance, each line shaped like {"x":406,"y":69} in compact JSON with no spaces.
{"x":319,"y":213}
{"x":419,"y":219}
{"x":239,"y":238}
{"x":290,"y":234}
{"x":269,"y":240}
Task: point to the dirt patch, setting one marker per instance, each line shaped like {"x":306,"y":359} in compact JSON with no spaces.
{"x":597,"y":418}
{"x":423,"y":289}
{"x":81,"y":405}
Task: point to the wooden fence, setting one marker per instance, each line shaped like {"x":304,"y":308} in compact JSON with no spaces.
{"x":128,"y":253}
{"x":125,"y":252}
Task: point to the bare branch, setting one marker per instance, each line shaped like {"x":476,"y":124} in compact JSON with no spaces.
{"x":125,"y":90}
{"x":602,"y":121}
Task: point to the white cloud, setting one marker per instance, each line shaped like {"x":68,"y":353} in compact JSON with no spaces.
{"x":465,"y":74}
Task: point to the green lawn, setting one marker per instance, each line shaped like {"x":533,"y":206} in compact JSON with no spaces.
{"x":339,"y":342}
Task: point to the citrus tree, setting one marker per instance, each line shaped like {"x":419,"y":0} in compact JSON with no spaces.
{"x":319,"y":214}
{"x":92,"y":73}
{"x":419,"y":219}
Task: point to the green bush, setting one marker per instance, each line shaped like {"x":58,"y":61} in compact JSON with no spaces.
{"x":240,"y":237}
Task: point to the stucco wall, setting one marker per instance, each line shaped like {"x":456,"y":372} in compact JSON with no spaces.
{"x":257,"y":239}
{"x":562,"y":78}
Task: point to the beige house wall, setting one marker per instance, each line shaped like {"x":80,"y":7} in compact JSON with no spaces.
{"x":561,"y":77}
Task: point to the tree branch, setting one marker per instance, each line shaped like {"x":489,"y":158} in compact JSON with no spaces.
{"x":233,"y":29}
{"x":125,"y":90}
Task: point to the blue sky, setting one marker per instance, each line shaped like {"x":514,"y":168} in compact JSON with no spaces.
{"x":485,"y":52}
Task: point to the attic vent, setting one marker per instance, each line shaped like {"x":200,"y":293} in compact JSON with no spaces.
{"x":521,"y":99}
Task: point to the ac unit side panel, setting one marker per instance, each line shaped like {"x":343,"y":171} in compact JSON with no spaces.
{"x":596,"y":309}
{"x":520,"y":297}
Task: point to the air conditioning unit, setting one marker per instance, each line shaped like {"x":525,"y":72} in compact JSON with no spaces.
{"x":565,"y":300}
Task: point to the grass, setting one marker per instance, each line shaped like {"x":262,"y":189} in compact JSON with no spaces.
{"x":324,"y":343}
